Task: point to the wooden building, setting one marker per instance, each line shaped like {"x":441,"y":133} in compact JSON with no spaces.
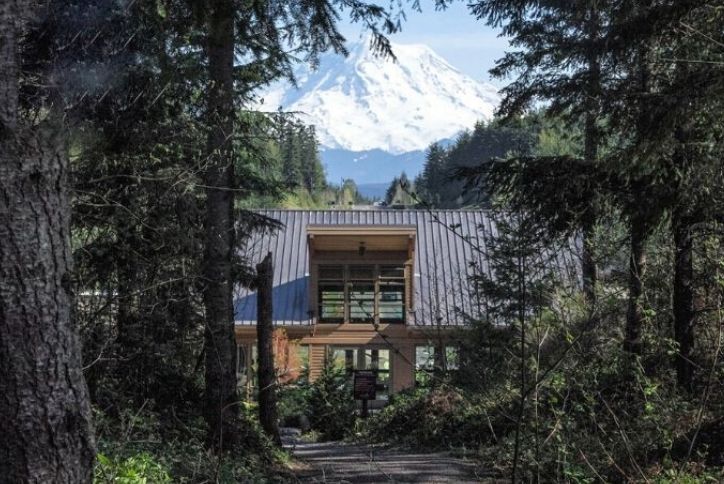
{"x":368,"y":289}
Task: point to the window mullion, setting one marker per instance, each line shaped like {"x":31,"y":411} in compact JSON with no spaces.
{"x":376,"y":274}
{"x":347,"y":295}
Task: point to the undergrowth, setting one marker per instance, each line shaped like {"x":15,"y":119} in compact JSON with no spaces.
{"x":325,"y":407}
{"x":583,"y":423}
{"x":143,"y":446}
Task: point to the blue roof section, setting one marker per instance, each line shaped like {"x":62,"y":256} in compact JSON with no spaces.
{"x":450,"y":247}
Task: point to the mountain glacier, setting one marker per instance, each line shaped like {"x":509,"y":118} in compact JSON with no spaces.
{"x":364,"y":102}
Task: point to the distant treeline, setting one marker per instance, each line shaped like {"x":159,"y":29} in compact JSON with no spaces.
{"x":440,"y":185}
{"x":293,"y":162}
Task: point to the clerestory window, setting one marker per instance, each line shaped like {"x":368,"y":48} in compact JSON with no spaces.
{"x":361,"y":293}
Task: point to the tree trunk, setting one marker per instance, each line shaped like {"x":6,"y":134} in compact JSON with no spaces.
{"x":640,"y":216}
{"x":683,"y":301}
{"x":221,"y":402}
{"x":637,"y":266}
{"x":588,"y":263}
{"x":440,"y":359}
{"x":590,"y":155}
{"x":522,"y":306}
{"x":45,"y":418}
{"x":589,"y":268}
{"x":265,"y":341}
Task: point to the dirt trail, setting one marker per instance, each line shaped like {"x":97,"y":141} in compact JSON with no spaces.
{"x":339,"y":462}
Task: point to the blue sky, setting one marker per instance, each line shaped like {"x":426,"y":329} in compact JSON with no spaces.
{"x":467,"y":43}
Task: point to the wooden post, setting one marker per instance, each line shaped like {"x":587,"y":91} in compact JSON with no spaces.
{"x":264,"y":332}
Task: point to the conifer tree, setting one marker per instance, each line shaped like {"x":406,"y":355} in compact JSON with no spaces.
{"x":291,"y":154}
{"x":265,"y":31}
{"x":561,"y":61}
{"x":313,"y":178}
{"x":666,"y":94}
{"x":434,"y":171}
{"x":441,"y":187}
{"x":516,"y":287}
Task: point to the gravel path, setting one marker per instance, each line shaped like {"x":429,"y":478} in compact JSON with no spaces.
{"x":339,"y":462}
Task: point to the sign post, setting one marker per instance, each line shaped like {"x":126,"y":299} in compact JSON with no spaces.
{"x":365,"y":388}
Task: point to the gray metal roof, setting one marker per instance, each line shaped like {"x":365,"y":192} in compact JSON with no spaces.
{"x":450,"y":246}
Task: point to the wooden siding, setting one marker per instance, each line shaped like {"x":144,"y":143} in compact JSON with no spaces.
{"x":400,"y":339}
{"x":317,"y":357}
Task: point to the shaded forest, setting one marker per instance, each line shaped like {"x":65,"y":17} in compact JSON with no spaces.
{"x":129,"y":154}
{"x":130,"y":159}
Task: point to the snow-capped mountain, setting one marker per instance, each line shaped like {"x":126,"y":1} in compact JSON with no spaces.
{"x":365,"y":102}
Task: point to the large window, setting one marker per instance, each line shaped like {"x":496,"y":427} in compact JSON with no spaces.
{"x":426,"y":363}
{"x":361,"y":293}
{"x":362,"y":358}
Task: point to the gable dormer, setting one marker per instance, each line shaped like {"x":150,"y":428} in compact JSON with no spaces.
{"x":361,"y":274}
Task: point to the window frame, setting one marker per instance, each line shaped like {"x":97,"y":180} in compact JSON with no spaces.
{"x":359,"y":362}
{"x":424,"y":370}
{"x":377,"y":282}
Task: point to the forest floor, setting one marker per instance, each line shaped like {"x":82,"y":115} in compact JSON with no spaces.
{"x":342,"y":462}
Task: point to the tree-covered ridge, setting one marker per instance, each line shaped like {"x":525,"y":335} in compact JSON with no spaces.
{"x":293,"y":166}
{"x":440,"y":186}
{"x":533,"y":134}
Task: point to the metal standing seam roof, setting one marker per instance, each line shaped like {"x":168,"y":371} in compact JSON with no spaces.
{"x":450,"y":247}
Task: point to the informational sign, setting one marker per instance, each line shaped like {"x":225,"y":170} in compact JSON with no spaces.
{"x":365,"y":385}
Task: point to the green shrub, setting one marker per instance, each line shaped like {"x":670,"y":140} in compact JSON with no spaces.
{"x":293,"y":405}
{"x":143,"y":446}
{"x":331,"y":406}
{"x":436,"y":418}
{"x":137,"y":469}
{"x":593,"y":418}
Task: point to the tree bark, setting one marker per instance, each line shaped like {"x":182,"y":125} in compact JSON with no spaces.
{"x":590,"y":155}
{"x":637,"y":266}
{"x":640,"y":215}
{"x":221,"y":401}
{"x":589,"y":268}
{"x":45,"y":418}
{"x":265,"y":341}
{"x":683,"y":299}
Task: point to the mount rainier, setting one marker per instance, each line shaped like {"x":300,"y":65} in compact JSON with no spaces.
{"x":375,"y":116}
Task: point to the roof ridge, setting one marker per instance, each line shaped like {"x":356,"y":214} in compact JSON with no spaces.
{"x":378,"y":210}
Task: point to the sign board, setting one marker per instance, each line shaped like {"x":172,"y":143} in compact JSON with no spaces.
{"x":365,"y":385}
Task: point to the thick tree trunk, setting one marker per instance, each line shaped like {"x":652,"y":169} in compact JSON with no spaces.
{"x":222,"y":406}
{"x":637,"y":266}
{"x":45,"y":419}
{"x":683,"y":301}
{"x":265,"y":341}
